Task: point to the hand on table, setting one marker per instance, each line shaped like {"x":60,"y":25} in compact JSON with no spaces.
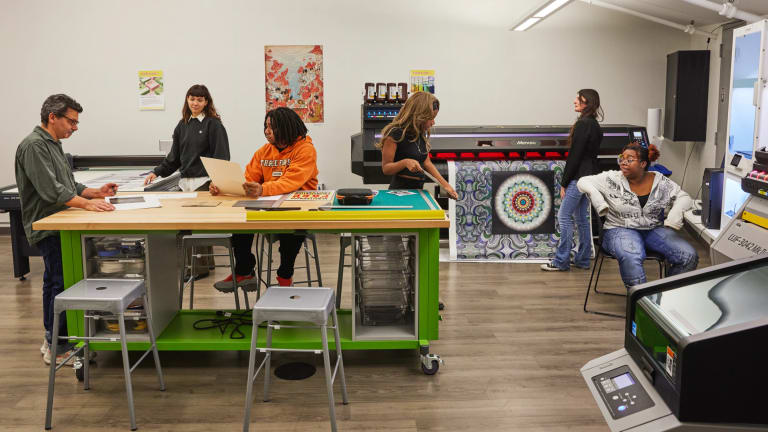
{"x":98,"y":205}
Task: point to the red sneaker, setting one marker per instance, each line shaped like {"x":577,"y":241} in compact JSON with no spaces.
{"x":284,"y":282}
{"x":226,"y":283}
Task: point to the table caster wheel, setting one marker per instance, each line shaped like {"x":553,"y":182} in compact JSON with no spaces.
{"x":430,"y":363}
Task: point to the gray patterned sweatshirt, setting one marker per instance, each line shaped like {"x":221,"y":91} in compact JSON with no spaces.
{"x":611,"y":196}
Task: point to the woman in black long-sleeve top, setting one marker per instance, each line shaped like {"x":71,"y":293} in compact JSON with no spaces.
{"x":585,"y":138}
{"x":198,"y":133}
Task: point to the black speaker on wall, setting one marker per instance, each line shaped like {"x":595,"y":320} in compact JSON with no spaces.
{"x":685,"y":113}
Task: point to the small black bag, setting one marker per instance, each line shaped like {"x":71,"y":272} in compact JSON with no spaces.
{"x":354,"y":196}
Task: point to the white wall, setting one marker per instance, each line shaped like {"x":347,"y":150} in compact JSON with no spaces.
{"x":92,"y":51}
{"x":697,"y":155}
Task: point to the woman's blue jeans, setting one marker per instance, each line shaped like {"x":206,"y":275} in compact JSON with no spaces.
{"x":574,"y":207}
{"x":629,"y":246}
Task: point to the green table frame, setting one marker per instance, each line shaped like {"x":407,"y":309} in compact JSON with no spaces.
{"x":180,"y":336}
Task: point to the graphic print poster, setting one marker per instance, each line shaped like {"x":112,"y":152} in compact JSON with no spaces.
{"x":526,"y":232}
{"x":294,"y":79}
{"x":522,"y":202}
{"x":151,"y":87}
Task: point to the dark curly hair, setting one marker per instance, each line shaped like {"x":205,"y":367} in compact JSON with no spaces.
{"x":287,"y":126}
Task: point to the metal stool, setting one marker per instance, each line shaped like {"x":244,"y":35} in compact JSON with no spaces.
{"x":314,"y":305}
{"x":188,"y":243}
{"x":110,"y":295}
{"x":264,"y":241}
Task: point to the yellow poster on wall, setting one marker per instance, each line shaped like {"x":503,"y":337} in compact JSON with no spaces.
{"x":423,"y":80}
{"x":151,"y":90}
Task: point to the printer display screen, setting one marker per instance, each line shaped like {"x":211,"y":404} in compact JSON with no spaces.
{"x":621,"y":381}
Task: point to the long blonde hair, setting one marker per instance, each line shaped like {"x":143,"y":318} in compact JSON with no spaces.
{"x":420,"y":108}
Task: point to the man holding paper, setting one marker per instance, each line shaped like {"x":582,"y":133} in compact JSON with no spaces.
{"x":287,"y":163}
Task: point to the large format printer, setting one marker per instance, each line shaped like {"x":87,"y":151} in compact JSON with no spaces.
{"x":694,"y":356}
{"x":467,"y":143}
{"x":746,"y":232}
{"x":85,"y":169}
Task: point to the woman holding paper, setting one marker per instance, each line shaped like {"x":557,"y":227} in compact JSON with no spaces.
{"x":405,"y":145}
{"x":286,"y":163}
{"x":198,"y":133}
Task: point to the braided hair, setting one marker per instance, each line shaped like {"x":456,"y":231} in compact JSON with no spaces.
{"x":287,"y":126}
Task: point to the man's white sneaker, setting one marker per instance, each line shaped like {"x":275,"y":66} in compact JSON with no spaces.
{"x":45,"y":346}
{"x":60,"y":357}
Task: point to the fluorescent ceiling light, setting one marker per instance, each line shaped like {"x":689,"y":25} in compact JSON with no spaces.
{"x":526,"y":24}
{"x":548,"y":9}
{"x":544,"y":9}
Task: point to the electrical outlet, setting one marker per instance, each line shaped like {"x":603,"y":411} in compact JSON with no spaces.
{"x":165,"y":145}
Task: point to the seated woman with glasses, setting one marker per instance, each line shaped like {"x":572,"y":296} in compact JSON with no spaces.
{"x":641,"y":209}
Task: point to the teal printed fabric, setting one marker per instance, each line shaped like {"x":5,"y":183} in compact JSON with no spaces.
{"x":473,"y":216}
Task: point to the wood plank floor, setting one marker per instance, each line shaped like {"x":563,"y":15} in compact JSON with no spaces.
{"x":513,"y":339}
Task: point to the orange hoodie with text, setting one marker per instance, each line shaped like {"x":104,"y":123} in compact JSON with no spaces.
{"x":294,"y":168}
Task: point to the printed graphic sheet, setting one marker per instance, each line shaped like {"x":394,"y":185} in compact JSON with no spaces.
{"x":520,"y":198}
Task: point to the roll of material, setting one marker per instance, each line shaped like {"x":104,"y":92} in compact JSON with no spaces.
{"x":653,"y":126}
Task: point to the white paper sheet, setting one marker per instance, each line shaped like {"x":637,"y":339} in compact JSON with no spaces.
{"x":175,"y":195}
{"x":133,"y":202}
{"x":270,"y":198}
{"x":226,"y":175}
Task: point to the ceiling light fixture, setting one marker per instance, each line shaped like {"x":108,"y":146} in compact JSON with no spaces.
{"x":539,"y":13}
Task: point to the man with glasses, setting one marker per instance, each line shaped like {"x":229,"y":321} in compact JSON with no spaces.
{"x":46,"y":186}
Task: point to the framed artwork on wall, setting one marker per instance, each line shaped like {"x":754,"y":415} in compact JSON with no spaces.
{"x":294,"y":79}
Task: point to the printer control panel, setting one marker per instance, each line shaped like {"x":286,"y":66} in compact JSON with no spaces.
{"x":639,"y":136}
{"x":621,"y":392}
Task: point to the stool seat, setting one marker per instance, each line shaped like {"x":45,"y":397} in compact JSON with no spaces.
{"x":188,"y":244}
{"x":295,"y":304}
{"x":106,"y":295}
{"x":111,"y":295}
{"x":207,"y":240}
{"x":313,"y":305}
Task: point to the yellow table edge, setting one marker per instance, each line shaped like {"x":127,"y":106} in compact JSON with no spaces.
{"x":303,"y":215}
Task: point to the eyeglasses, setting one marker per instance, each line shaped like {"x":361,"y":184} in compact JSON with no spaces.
{"x":625,"y":161}
{"x":72,"y":122}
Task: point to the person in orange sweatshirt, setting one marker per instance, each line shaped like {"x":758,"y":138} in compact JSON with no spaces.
{"x":287,"y":163}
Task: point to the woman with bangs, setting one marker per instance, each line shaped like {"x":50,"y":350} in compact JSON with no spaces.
{"x":405,"y":145}
{"x":198,"y":133}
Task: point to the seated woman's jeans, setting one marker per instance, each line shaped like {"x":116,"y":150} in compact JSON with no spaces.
{"x":628,"y":246}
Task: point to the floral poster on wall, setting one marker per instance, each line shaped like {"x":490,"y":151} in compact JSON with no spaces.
{"x":294,"y":79}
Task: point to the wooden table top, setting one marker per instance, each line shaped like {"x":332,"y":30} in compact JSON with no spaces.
{"x":174,"y":215}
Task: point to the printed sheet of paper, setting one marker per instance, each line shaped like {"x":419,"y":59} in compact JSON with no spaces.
{"x":151,"y":90}
{"x":311,"y":195}
{"x":133,"y":202}
{"x":226,"y":175}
